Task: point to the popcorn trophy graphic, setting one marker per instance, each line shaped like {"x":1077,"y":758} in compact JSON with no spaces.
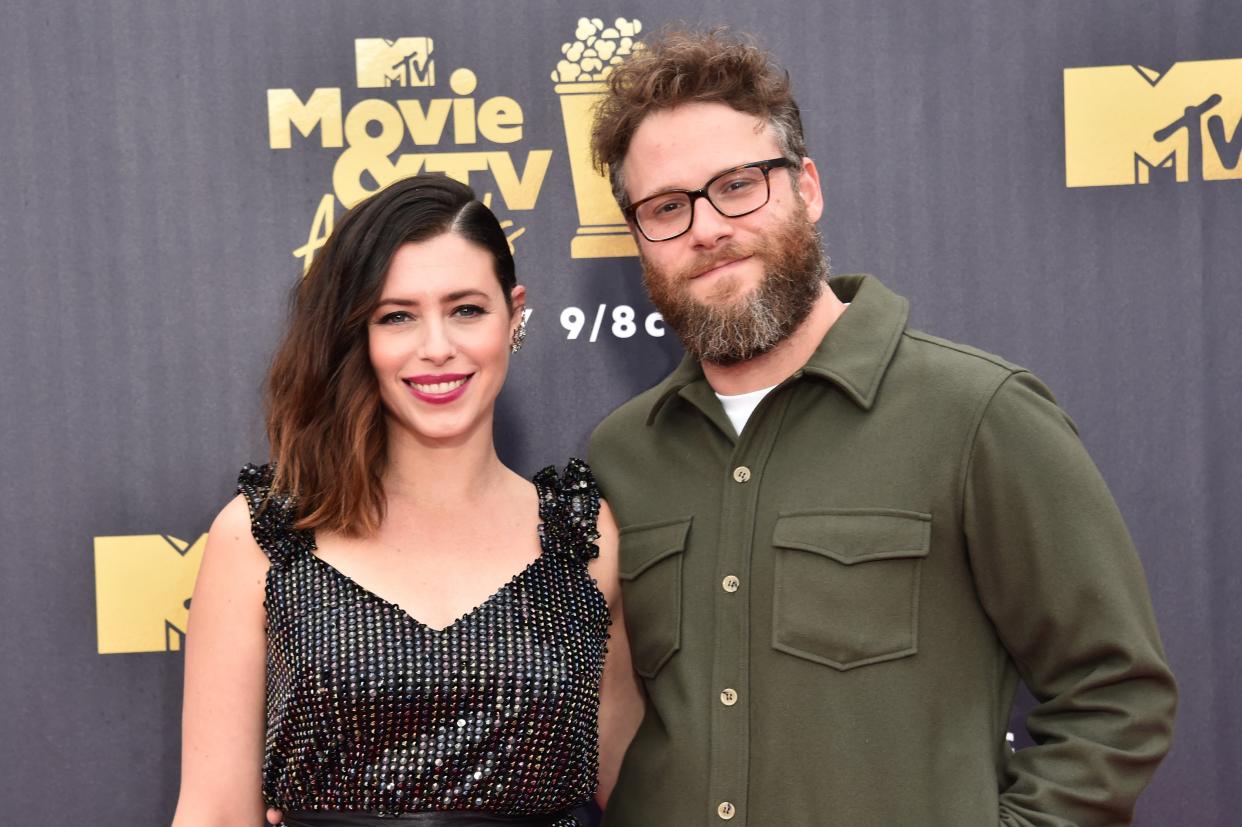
{"x":579,"y":78}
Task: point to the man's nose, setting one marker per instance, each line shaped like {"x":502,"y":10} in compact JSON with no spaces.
{"x":709,"y":227}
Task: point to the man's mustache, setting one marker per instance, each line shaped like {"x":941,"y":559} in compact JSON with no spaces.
{"x":731,"y":252}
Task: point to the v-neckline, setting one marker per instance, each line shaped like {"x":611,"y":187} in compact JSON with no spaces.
{"x":374,"y":597}
{"x":505,"y":587}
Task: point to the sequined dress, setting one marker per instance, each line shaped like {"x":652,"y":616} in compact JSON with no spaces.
{"x":371,"y":711}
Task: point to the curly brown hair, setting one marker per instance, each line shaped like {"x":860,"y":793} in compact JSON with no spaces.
{"x":684,"y":65}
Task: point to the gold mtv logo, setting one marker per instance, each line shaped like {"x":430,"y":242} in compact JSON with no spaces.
{"x":405,"y":61}
{"x":1134,"y":125}
{"x":143,"y":584}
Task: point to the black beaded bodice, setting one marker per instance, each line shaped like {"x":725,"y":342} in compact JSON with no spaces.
{"x":370,"y":710}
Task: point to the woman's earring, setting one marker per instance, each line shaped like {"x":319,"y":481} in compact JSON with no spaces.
{"x":519,"y":333}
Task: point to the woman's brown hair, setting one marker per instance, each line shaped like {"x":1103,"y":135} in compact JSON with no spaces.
{"x":325,"y":421}
{"x":682,"y":65}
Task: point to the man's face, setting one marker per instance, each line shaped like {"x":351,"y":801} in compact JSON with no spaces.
{"x":732,"y":288}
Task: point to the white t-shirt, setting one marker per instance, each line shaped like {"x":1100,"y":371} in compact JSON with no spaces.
{"x":739,"y":408}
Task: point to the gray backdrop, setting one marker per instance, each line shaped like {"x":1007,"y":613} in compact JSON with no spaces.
{"x":147,"y":232}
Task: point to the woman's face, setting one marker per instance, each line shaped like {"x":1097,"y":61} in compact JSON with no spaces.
{"x":439,"y":339}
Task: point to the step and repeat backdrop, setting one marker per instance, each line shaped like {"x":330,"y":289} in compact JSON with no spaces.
{"x":1058,"y":183}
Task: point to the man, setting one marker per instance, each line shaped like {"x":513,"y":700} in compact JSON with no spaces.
{"x":844,"y":541}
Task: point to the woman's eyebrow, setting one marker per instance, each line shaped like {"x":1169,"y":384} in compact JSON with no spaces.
{"x":461,"y":294}
{"x":456,"y":295}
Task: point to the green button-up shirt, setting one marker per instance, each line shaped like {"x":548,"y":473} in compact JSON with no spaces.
{"x":831,"y":611}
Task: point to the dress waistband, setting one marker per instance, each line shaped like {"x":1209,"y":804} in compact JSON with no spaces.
{"x":454,"y":818}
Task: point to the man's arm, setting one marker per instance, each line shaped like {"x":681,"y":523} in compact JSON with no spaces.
{"x":1058,"y":575}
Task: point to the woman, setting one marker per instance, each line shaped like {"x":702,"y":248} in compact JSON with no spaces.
{"x":388,"y":621}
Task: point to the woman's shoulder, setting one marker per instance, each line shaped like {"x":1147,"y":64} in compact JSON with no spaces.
{"x":234,"y":518}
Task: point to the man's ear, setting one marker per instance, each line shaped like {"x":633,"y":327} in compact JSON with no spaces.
{"x":809,"y":189}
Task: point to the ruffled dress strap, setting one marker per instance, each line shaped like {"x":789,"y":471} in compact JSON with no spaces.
{"x":569,"y":508}
{"x":272,"y":517}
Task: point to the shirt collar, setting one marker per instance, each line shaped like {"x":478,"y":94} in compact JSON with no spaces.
{"x":854,"y":355}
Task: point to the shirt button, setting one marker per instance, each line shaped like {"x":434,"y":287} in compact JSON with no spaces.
{"x":728,"y":697}
{"x":730,"y":583}
{"x":726,"y":810}
{"x":741,"y":474}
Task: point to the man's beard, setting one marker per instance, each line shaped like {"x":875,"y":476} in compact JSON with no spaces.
{"x":732,"y":330}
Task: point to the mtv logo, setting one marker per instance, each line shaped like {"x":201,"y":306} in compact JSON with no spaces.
{"x":143,"y":585}
{"x":405,"y":61}
{"x":1134,"y":125}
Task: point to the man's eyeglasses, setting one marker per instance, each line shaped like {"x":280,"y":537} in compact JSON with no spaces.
{"x":735,"y":192}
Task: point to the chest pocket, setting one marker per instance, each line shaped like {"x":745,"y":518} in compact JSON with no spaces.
{"x":651,"y":556}
{"x":847,"y":584}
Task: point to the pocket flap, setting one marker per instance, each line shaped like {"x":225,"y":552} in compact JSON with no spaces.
{"x":642,"y":546}
{"x":855,"y":535}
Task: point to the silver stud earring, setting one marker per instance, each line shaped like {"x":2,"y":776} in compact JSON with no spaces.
{"x":519,"y":333}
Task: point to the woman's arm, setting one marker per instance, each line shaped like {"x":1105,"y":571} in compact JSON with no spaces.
{"x":225,"y":661}
{"x":620,"y":696}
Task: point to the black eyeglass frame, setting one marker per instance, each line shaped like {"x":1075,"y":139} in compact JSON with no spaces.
{"x":631,"y":212}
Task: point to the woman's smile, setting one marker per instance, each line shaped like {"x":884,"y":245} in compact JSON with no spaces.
{"x":439,"y":389}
